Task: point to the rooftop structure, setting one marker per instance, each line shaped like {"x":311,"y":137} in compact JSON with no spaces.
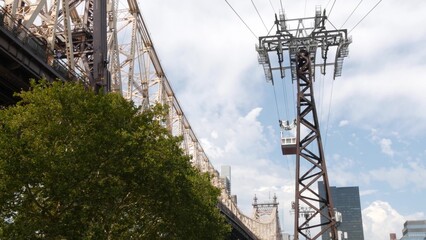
{"x":414,"y":230}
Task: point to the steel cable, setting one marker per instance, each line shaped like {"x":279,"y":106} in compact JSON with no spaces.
{"x":365,"y":15}
{"x":241,"y":19}
{"x":258,"y":14}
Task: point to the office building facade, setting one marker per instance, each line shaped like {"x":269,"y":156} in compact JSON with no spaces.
{"x":225,"y":176}
{"x":347,"y":202}
{"x":414,"y":230}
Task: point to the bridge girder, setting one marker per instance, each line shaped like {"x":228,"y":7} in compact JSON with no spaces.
{"x":70,"y":30}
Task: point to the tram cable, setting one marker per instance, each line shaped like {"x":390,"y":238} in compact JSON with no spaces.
{"x":331,"y":9}
{"x":285,"y":96}
{"x":272,"y":6}
{"x":365,"y":15}
{"x":350,"y":15}
{"x":241,"y":19}
{"x":258,"y":14}
{"x":304,"y":11}
{"x":276,"y":103}
{"x":321,"y":95}
{"x":329,"y":114}
{"x":327,"y":4}
{"x":282,"y":8}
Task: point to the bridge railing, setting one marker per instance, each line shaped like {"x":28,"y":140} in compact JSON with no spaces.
{"x":268,"y":230}
{"x":37,"y":46}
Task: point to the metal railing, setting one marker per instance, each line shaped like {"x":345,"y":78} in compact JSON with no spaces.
{"x":38,"y":47}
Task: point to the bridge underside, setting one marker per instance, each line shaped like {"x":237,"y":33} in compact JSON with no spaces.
{"x":14,"y":76}
{"x":17,"y":66}
{"x":236,"y":234}
{"x":23,"y":57}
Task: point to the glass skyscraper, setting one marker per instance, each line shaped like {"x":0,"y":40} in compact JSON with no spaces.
{"x":346,"y":201}
{"x":414,"y":230}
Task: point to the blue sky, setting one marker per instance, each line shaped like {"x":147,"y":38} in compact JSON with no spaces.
{"x":373,"y":118}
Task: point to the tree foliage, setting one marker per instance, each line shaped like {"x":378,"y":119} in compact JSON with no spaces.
{"x":77,"y":165}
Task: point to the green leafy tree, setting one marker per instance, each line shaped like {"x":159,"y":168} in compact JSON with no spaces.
{"x":80,"y":165}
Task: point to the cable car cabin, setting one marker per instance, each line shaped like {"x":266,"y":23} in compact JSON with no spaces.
{"x":288,"y":140}
{"x":288,"y":145}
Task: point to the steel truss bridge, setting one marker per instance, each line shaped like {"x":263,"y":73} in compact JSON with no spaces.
{"x":77,"y":40}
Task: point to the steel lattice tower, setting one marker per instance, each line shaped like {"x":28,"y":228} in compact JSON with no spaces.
{"x":301,"y":44}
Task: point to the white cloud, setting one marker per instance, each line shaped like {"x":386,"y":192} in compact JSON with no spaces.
{"x":214,"y":135}
{"x":343,"y":123}
{"x":373,"y":91}
{"x":211,"y":150}
{"x":367,"y":192}
{"x":386,"y":146}
{"x":408,"y":177}
{"x":243,"y":142}
{"x":373,"y":134}
{"x":380,"y":219}
{"x":384,"y":143}
{"x":340,"y":170}
{"x":383,"y":99}
{"x":416,"y":216}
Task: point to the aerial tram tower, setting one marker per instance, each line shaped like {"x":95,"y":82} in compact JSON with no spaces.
{"x":302,"y":50}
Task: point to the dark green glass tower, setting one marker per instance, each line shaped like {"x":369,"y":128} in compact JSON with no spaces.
{"x":347,"y":202}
